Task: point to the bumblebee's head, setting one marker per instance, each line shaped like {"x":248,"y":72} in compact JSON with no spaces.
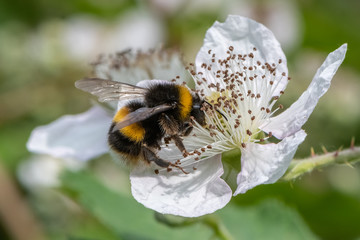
{"x":196,"y":110}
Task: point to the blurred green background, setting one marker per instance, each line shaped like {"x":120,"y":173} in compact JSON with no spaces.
{"x":46,"y":45}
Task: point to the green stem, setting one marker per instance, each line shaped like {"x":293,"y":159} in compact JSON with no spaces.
{"x":218,"y":228}
{"x":211,"y":221}
{"x":298,"y":168}
{"x":174,"y":221}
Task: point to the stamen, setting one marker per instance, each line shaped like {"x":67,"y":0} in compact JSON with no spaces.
{"x":240,"y":90}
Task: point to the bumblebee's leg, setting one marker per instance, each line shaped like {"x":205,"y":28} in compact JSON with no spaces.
{"x":169,"y":124}
{"x":188,"y":127}
{"x":179,"y":144}
{"x":150,"y":156}
{"x":172,"y":129}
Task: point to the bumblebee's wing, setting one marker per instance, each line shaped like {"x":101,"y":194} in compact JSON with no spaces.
{"x":107,"y":90}
{"x":141,"y":114}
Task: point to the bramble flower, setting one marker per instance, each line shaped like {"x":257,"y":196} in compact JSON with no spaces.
{"x":241,"y":71}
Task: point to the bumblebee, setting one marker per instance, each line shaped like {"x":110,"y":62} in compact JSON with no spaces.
{"x":162,"y":111}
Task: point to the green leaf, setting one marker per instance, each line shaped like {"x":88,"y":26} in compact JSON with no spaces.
{"x":123,"y":215}
{"x":130,"y":220}
{"x":270,"y":219}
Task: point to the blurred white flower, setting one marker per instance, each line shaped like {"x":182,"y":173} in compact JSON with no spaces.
{"x":84,"y":37}
{"x":171,"y":7}
{"x":282,"y":17}
{"x":42,"y":171}
{"x":131,"y":67}
{"x":241,"y":70}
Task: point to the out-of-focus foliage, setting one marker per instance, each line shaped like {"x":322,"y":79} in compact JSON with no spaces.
{"x":269,"y":219}
{"x":46,"y":45}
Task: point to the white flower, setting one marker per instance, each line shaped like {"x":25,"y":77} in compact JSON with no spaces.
{"x":241,"y":70}
{"x":243,"y":88}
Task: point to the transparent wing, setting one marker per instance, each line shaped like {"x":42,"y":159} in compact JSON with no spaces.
{"x":107,"y":90}
{"x":141,"y":114}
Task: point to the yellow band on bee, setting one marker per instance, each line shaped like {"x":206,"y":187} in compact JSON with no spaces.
{"x":185,"y":101}
{"x":134,"y":132}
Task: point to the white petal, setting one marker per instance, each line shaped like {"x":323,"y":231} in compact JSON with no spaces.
{"x":291,"y":120}
{"x":243,"y":34}
{"x":200,"y":192}
{"x":82,"y":136}
{"x":168,"y":65}
{"x":264,"y":164}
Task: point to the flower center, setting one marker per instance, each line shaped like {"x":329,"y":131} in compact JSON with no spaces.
{"x":244,"y":88}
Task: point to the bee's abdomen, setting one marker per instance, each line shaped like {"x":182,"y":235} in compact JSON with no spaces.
{"x":185,"y":101}
{"x":134,"y":132}
{"x":122,"y":144}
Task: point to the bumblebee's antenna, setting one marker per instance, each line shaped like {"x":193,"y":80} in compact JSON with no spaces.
{"x":216,"y":110}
